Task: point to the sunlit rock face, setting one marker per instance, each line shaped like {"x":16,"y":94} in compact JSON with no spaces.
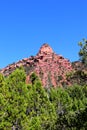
{"x":45,"y":48}
{"x":49,"y":66}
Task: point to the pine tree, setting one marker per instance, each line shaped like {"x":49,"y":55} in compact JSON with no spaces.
{"x":17,"y":99}
{"x":83,"y":51}
{"x":40,"y":108}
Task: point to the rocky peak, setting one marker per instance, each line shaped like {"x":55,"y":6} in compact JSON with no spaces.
{"x":50,"y":67}
{"x":45,"y":49}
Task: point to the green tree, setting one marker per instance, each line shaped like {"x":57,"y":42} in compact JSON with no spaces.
{"x":24,"y":106}
{"x":17,"y":100}
{"x":79,"y":104}
{"x":34,"y":78}
{"x":40,"y":108}
{"x":69,"y":103}
{"x":4,"y":124}
{"x":81,"y":118}
{"x":2,"y":81}
{"x":63,"y":106}
{"x":83,"y":51}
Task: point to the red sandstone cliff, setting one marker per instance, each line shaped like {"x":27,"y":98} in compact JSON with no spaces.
{"x":50,"y":67}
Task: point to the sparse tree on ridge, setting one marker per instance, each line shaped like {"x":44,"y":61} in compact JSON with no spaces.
{"x":83,"y":51}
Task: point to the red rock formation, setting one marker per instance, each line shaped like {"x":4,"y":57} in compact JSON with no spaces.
{"x":50,"y":67}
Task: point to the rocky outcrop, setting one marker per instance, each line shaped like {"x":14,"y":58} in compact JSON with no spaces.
{"x":50,"y":67}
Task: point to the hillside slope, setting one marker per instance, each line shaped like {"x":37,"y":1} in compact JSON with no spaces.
{"x":49,"y":66}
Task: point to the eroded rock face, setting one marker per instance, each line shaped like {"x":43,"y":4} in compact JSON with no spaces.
{"x":50,"y":67}
{"x":45,"y":49}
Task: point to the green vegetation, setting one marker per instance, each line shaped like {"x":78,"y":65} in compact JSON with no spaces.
{"x":83,"y":51}
{"x":77,"y":77}
{"x":30,"y":107}
{"x":24,"y":106}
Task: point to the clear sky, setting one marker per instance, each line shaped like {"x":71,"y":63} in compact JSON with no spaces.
{"x":26,"y":24}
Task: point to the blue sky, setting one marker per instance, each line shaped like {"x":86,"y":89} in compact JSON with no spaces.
{"x":26,"y":24}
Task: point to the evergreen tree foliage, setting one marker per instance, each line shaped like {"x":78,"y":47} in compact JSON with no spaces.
{"x":33,"y":78}
{"x":83,"y":51}
{"x":24,"y":106}
{"x":41,"y":107}
{"x":30,"y":107}
{"x":16,"y":98}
